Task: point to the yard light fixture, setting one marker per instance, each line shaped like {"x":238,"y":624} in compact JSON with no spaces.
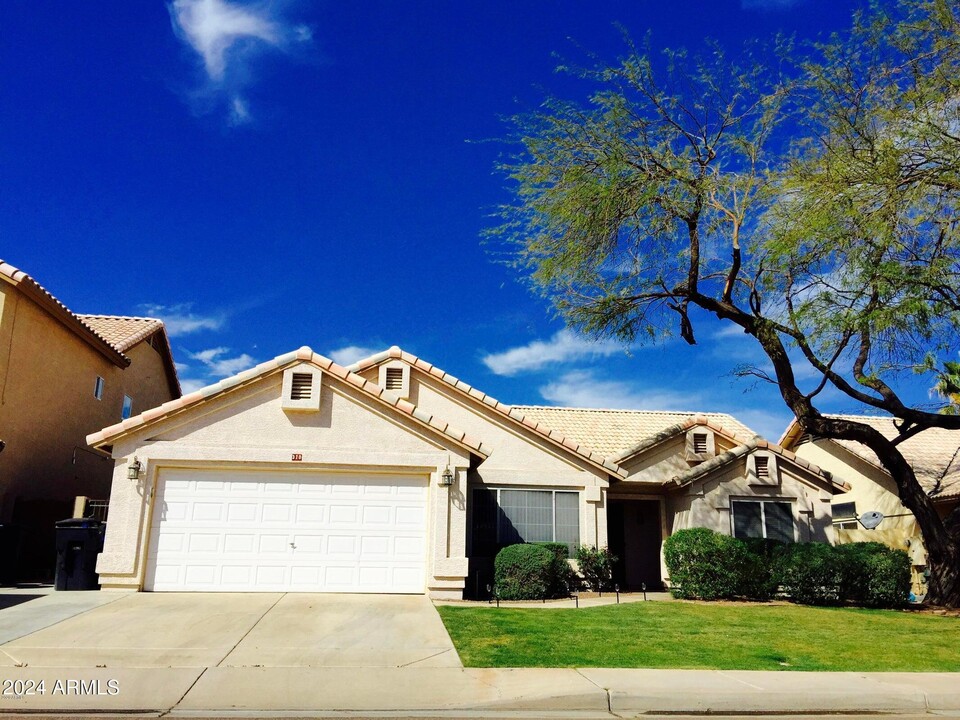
{"x":446,"y":478}
{"x":133,"y":469}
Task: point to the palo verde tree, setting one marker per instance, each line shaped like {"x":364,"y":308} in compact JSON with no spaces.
{"x":812,"y":202}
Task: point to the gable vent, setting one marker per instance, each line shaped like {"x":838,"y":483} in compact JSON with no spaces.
{"x":301,"y":387}
{"x":394,"y":379}
{"x":700,"y":443}
{"x":763,"y":466}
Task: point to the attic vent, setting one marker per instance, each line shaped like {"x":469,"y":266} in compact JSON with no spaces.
{"x":700,"y":443}
{"x":394,"y":379}
{"x":763,"y":466}
{"x":804,"y":439}
{"x":301,"y":386}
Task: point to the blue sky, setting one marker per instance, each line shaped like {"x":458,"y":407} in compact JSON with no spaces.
{"x":276,"y":174}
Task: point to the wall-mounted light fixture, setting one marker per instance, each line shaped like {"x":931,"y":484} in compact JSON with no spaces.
{"x":446,"y":477}
{"x":133,"y":469}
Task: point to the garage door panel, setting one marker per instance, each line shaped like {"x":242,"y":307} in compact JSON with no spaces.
{"x":252,"y":531}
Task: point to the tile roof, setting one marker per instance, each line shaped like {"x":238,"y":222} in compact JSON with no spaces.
{"x":304,"y":354}
{"x":517,"y":413}
{"x":934,"y":453}
{"x":756,"y":443}
{"x":615,"y":433}
{"x":120,"y":331}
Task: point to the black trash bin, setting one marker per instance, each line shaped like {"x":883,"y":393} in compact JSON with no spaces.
{"x":79,"y":540}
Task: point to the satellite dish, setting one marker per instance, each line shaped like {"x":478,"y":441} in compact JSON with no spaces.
{"x":871,"y":519}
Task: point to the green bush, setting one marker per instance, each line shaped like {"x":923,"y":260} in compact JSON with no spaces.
{"x":561,"y":573}
{"x":761,"y":573}
{"x":596,"y":567}
{"x":812,"y":574}
{"x":706,"y":565}
{"x":525,"y":572}
{"x":874,"y":575}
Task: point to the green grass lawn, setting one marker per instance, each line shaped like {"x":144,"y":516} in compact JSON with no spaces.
{"x":706,"y":636}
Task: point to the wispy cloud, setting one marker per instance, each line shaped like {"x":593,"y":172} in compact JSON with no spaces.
{"x":219,"y":363}
{"x":583,"y":389}
{"x":181,"y":320}
{"x":564,"y":346}
{"x":350,"y":354}
{"x":229,"y":37}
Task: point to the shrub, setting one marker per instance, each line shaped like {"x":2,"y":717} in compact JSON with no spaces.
{"x":596,"y":566}
{"x":706,"y":565}
{"x":762,"y":571}
{"x":524,"y":572}
{"x":874,"y":575}
{"x":561,"y":574}
{"x":812,"y":573}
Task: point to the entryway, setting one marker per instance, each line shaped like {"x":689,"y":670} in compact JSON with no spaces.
{"x":635,"y":534}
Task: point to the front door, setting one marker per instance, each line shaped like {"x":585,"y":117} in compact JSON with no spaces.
{"x":634,"y":531}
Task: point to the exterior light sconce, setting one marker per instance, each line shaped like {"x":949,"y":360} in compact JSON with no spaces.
{"x":446,"y":477}
{"x":133,"y":469}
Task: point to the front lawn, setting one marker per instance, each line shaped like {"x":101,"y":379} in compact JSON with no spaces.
{"x":706,"y":636}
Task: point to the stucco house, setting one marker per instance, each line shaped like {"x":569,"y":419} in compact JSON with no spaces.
{"x":62,"y":376}
{"x":934,"y":455}
{"x":392,"y":475}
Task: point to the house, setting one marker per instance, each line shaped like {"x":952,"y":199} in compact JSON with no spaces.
{"x":392,"y":475}
{"x":62,"y":376}
{"x":934,"y":455}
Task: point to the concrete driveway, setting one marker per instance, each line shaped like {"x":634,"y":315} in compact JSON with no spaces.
{"x":206,"y":630}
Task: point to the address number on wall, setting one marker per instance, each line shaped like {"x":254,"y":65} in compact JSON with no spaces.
{"x":296,"y":457}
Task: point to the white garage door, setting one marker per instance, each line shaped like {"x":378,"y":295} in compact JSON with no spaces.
{"x":264,"y":531}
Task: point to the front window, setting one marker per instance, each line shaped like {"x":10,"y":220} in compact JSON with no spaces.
{"x":503,"y":516}
{"x":770,"y":519}
{"x":127,"y":410}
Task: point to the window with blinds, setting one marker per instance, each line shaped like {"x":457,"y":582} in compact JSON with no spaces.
{"x":770,"y":519}
{"x":504,"y":516}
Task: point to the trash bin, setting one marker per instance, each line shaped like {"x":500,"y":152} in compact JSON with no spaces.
{"x":79,"y":540}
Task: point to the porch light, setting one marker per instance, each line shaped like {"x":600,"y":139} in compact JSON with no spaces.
{"x":133,"y":469}
{"x":446,"y":477}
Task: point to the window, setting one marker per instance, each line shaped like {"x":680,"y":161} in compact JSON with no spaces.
{"x":503,"y":516}
{"x":127,"y":410}
{"x":98,"y":388}
{"x":771,"y":519}
{"x":845,"y":515}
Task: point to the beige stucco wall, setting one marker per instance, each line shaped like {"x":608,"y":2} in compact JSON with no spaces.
{"x":47,"y":404}
{"x":872,"y":489}
{"x":520,"y":458}
{"x":248,"y":428}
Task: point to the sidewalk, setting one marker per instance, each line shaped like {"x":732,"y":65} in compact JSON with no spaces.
{"x":424,"y":690}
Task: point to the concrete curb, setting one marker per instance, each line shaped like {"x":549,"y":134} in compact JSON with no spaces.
{"x":592,"y":691}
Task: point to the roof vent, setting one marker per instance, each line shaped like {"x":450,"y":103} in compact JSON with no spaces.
{"x":700,"y":443}
{"x":763,"y":466}
{"x":394,"y":379}
{"x":301,"y":389}
{"x":301,"y":386}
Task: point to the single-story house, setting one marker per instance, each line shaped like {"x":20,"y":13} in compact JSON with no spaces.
{"x":392,"y":475}
{"x":64,"y":375}
{"x":934,"y":455}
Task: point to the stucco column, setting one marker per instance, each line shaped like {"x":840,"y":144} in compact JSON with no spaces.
{"x":118,"y":564}
{"x":449,"y":536}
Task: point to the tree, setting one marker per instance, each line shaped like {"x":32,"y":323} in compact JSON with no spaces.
{"x":811,"y":202}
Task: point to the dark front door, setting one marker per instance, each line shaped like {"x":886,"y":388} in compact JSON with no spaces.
{"x":634,"y":531}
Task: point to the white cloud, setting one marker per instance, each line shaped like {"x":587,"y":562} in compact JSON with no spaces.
{"x":582,"y":389}
{"x":218,"y":364}
{"x":181,"y":320}
{"x":189,"y":385}
{"x":228,"y":37}
{"x":350,"y":354}
{"x":564,"y":346}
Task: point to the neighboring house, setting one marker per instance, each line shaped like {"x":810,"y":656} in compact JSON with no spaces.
{"x":300,"y":474}
{"x":62,"y":376}
{"x":934,"y":455}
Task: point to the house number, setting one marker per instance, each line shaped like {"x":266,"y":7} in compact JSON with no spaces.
{"x":296,"y":457}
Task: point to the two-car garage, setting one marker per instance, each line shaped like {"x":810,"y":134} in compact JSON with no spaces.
{"x":260,"y":530}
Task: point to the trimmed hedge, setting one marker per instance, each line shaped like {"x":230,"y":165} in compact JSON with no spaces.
{"x":596,"y":567}
{"x":706,"y":565}
{"x":532,"y":571}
